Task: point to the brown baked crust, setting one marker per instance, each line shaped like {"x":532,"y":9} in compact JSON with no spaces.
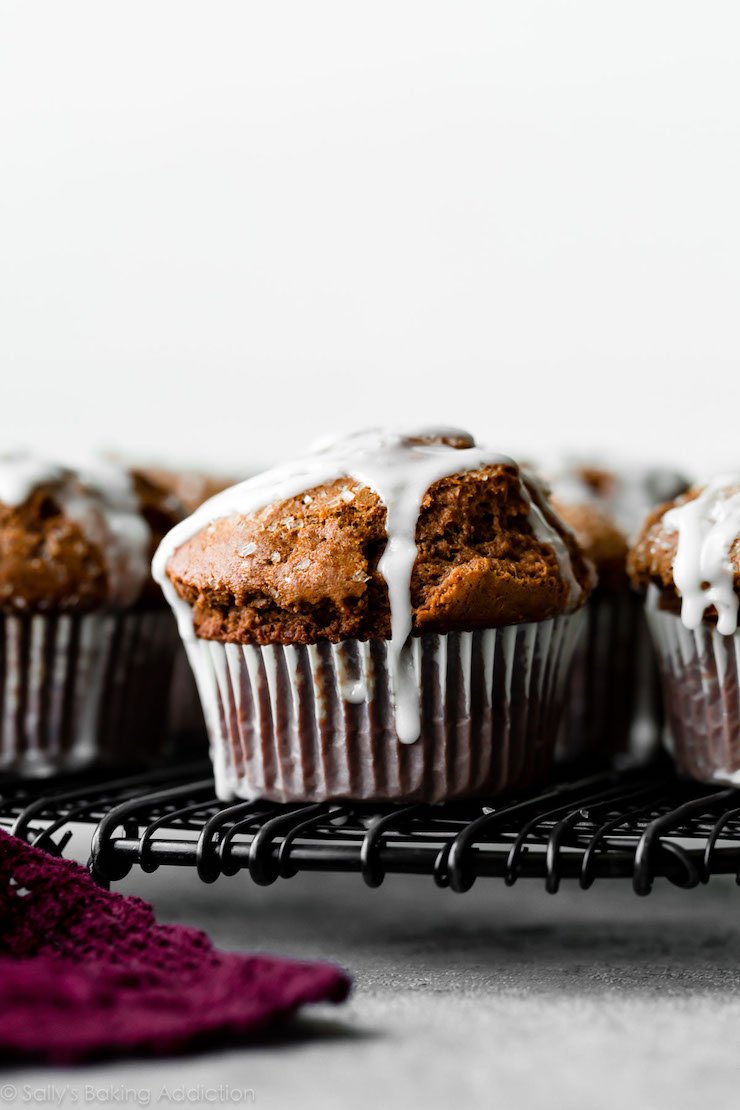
{"x":166,"y":497}
{"x":48,"y":563}
{"x":600,"y":482}
{"x":306,"y":569}
{"x":162,"y":508}
{"x":651,"y":558}
{"x":178,"y":492}
{"x":600,"y":539}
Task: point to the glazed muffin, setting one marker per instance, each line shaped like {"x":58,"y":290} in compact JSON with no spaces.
{"x":614,"y":704}
{"x":86,"y":643}
{"x":390,"y":617}
{"x":687,"y":563}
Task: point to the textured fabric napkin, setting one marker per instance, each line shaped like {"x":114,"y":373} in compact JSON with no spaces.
{"x":86,"y":973}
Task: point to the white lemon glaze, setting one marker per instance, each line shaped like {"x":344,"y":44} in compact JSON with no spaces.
{"x":707,"y":528}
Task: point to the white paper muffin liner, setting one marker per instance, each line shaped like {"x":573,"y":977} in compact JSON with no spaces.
{"x":81,"y":690}
{"x":614,"y":704}
{"x":285,"y":722}
{"x":700,"y":671}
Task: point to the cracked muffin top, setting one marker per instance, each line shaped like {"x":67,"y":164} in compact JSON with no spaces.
{"x":75,"y":539}
{"x":373,"y":537}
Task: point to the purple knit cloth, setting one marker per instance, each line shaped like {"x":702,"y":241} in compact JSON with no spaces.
{"x":86,"y":973}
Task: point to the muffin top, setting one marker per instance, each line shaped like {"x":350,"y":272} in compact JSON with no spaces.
{"x":78,"y":538}
{"x":372,"y":537}
{"x":625,"y":493}
{"x":600,"y":539}
{"x":184,"y":490}
{"x":689,"y":549}
{"x":605,"y":507}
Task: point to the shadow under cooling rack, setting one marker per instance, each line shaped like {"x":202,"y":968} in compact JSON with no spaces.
{"x":631,"y":825}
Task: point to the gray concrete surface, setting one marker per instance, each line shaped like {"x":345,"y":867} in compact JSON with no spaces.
{"x":495,"y":998}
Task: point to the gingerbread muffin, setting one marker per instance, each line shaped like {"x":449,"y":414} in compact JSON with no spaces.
{"x":86,"y":643}
{"x":389,"y":617}
{"x":686,"y":562}
{"x":614,"y":703}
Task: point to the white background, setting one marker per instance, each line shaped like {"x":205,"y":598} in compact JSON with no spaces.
{"x":226,"y":228}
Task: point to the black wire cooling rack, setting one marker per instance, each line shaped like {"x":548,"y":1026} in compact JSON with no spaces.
{"x":631,"y":825}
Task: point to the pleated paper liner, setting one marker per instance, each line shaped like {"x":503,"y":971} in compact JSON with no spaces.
{"x":700,"y":671}
{"x":84,"y":690}
{"x":614,"y":705}
{"x":281,"y":725}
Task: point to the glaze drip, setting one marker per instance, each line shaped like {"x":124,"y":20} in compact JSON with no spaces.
{"x":707,"y":527}
{"x":99,"y":496}
{"x":399,"y":466}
